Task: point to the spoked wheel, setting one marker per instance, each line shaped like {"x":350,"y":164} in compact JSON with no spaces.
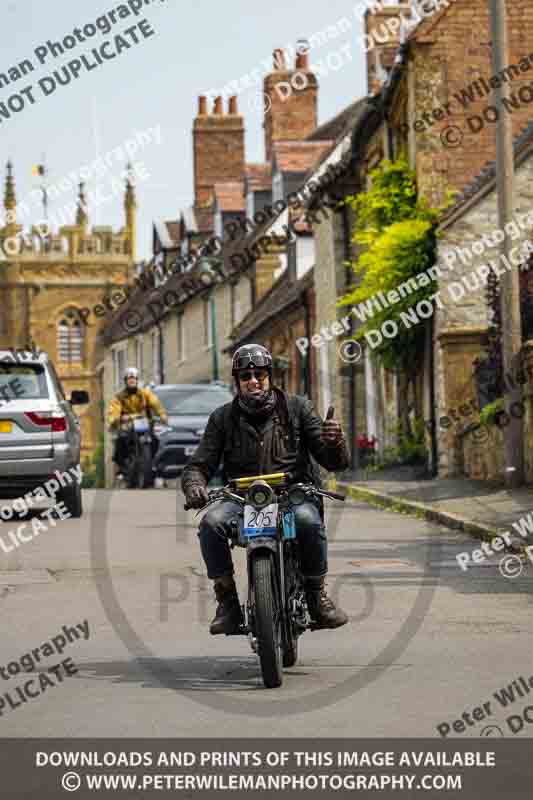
{"x":267,"y":621}
{"x":145,"y":474}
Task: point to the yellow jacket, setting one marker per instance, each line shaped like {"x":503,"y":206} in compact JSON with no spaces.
{"x":143,"y":401}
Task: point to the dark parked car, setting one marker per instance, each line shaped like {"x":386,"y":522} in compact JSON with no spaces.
{"x":188,"y":406}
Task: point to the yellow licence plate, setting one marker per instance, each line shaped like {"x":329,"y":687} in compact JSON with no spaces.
{"x":6,"y":426}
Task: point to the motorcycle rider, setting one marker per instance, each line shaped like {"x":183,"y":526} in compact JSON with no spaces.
{"x":264,"y":430}
{"x":132,"y":400}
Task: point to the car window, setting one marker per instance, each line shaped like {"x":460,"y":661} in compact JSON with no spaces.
{"x":57,"y":383}
{"x":193,"y":401}
{"x":22,"y":382}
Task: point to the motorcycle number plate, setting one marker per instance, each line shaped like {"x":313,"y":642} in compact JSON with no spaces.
{"x":260,"y":522}
{"x":141,"y":425}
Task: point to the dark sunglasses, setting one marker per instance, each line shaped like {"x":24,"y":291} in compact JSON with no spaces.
{"x":258,"y":374}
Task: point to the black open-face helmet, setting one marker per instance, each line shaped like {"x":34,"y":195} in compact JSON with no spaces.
{"x":249,"y":356}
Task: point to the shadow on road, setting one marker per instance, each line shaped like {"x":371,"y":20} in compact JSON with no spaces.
{"x":194,"y":674}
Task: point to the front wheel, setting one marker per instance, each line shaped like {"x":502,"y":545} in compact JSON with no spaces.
{"x":267,"y":617}
{"x":145,"y":475}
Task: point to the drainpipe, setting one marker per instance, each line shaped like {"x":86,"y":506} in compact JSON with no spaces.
{"x":307,"y":319}
{"x":433,"y":417}
{"x":161,"y":354}
{"x":352,"y":376}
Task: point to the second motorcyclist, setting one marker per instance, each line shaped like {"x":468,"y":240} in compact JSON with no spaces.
{"x":130,"y":402}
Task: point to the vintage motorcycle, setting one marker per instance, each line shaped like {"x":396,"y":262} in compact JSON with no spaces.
{"x":138,"y":463}
{"x":276,"y":613}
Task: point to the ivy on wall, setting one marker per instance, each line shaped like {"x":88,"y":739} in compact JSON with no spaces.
{"x":398,"y":229}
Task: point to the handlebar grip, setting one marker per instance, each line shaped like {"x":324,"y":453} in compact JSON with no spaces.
{"x":336,"y":496}
{"x":331,"y":413}
{"x":187,"y":507}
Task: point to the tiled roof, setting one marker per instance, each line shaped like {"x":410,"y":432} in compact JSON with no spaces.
{"x":298,"y":156}
{"x":338,"y":126}
{"x":168,"y":233}
{"x":229,"y":196}
{"x":280,"y":297}
{"x":174,"y":231}
{"x":258,"y":177}
{"x":488,"y":174}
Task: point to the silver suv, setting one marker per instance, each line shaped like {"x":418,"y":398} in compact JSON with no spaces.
{"x":39,"y":432}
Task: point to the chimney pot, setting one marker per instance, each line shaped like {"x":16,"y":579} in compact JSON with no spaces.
{"x":279,"y":59}
{"x":219,"y":109}
{"x":232,"y":109}
{"x":202,"y":105}
{"x":302,"y":61}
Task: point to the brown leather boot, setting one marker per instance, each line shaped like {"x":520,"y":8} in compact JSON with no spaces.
{"x":322,"y":610}
{"x":228,"y":615}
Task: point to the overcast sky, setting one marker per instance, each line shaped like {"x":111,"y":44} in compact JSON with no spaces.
{"x":197,"y":47}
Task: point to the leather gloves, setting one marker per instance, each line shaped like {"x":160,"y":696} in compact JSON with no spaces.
{"x":331,"y":434}
{"x":196,"y":495}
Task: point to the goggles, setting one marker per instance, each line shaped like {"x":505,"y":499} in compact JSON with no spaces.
{"x":247,"y":361}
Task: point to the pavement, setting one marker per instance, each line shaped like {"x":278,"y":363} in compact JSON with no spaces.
{"x":476,"y":507}
{"x":425,"y":642}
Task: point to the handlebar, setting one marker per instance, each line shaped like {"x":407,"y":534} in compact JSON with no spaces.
{"x":277,"y":480}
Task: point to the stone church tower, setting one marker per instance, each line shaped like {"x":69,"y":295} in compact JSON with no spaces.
{"x":49,"y":286}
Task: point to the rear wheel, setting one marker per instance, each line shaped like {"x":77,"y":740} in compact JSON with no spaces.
{"x":70,"y":496}
{"x":267,"y":621}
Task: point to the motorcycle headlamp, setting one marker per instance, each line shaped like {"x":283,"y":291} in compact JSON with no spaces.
{"x":260,"y":494}
{"x":297,"y":496}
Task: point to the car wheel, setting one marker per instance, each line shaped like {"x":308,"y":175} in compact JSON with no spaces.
{"x":71,"y":497}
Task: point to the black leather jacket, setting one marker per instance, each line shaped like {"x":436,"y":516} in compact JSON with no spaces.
{"x":285,"y":442}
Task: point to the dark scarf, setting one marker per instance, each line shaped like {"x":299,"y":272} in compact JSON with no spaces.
{"x":260,"y":407}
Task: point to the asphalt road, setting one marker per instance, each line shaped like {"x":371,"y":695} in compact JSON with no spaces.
{"x":425,"y":641}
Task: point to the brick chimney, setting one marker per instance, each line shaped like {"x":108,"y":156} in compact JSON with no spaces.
{"x":218,"y":144}
{"x":291,"y":101}
{"x":382,"y":39}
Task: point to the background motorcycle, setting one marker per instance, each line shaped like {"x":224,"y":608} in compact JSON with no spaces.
{"x":276,"y":612}
{"x":137,"y":466}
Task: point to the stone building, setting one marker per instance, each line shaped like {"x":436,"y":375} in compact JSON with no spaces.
{"x":429,"y":84}
{"x":468,"y":245}
{"x":49,"y":285}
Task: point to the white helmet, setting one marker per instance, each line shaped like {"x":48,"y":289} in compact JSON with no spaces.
{"x":131,"y":372}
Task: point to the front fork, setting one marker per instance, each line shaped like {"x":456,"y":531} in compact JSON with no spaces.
{"x":275,"y":548}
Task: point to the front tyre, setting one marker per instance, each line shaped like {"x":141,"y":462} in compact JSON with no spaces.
{"x":267,"y":617}
{"x":145,"y":475}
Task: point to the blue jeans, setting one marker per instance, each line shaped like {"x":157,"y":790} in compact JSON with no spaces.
{"x":219,"y":521}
